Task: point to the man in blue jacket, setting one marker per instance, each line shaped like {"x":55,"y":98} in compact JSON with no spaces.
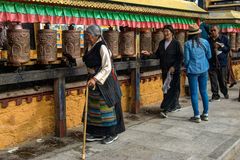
{"x":218,"y":63}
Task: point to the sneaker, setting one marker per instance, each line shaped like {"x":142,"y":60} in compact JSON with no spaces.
{"x":214,"y":99}
{"x":109,"y":139}
{"x":163,"y":114}
{"x":176,"y":109}
{"x":195,"y":119}
{"x":91,"y":138}
{"x":204,"y":117}
{"x":226,"y":96}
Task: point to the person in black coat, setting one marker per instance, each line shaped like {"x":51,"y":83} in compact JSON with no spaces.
{"x":218,"y":63}
{"x":171,"y":56}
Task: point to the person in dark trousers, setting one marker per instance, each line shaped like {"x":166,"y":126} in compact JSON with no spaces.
{"x":170,"y":54}
{"x":196,"y":54}
{"x":105,"y":118}
{"x":218,"y":63}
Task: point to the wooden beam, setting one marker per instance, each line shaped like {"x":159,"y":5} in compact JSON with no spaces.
{"x":60,"y":107}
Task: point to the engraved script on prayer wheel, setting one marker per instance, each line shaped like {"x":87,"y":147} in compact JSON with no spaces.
{"x":18,"y":46}
{"x":233,"y":40}
{"x":156,"y":38}
{"x":180,"y":36}
{"x":127,"y":43}
{"x":238,"y":41}
{"x":71,"y":43}
{"x":112,"y":39}
{"x":47,"y":46}
{"x":146,"y":41}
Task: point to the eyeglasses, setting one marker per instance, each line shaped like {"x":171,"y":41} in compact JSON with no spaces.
{"x":213,"y":30}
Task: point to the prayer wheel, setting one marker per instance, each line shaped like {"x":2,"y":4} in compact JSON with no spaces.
{"x":156,"y":38}
{"x":233,"y":40}
{"x":47,"y":46}
{"x":112,"y":39}
{"x":238,"y":41}
{"x":127,"y":43}
{"x":18,"y":45}
{"x":146,"y":40}
{"x":180,"y":36}
{"x":71,"y":43}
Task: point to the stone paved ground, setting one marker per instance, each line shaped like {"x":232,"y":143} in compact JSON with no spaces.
{"x":174,"y":138}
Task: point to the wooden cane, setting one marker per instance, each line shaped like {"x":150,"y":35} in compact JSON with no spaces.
{"x":85,"y":126}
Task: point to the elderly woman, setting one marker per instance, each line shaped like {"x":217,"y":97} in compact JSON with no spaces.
{"x":170,"y":54}
{"x":105,"y":119}
{"x":197,"y":52}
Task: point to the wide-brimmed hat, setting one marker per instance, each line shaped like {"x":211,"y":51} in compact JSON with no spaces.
{"x":194,"y":29}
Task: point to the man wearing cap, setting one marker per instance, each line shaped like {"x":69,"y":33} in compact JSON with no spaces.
{"x":218,"y":63}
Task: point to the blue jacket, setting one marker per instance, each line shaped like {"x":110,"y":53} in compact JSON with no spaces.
{"x":196,"y":58}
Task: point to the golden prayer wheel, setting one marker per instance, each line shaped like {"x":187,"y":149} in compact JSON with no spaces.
{"x":47,"y":46}
{"x":238,"y":41}
{"x":146,"y":40}
{"x":156,"y":38}
{"x":233,"y":39}
{"x":18,"y":45}
{"x":180,"y":36}
{"x":112,"y":39}
{"x":127,"y":43}
{"x":71,"y":43}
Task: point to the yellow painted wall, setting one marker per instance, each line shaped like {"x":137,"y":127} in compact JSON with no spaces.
{"x":236,"y":71}
{"x":36,"y":119}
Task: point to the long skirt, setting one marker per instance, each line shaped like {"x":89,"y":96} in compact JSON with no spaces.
{"x":171,"y":98}
{"x":103,"y":120}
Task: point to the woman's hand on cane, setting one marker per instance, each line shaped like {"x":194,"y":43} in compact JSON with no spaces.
{"x":92,"y":82}
{"x":146,"y":53}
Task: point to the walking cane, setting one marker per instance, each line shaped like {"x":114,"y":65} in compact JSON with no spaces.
{"x":85,"y":126}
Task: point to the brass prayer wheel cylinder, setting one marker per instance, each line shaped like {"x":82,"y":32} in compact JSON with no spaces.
{"x":71,"y":43}
{"x":112,"y":39}
{"x":233,"y":39}
{"x":180,"y":36}
{"x":146,"y":40}
{"x":238,"y":41}
{"x":156,"y":38}
{"x":47,"y":46}
{"x":127,"y":43}
{"x":18,"y":46}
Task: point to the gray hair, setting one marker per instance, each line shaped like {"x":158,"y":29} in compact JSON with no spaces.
{"x":94,"y":30}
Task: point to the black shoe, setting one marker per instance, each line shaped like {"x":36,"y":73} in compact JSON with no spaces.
{"x":163,"y":114}
{"x":195,"y":119}
{"x":232,"y":84}
{"x":91,"y":138}
{"x":215,"y":99}
{"x":109,"y":139}
{"x":226,"y":96}
{"x":204,"y":117}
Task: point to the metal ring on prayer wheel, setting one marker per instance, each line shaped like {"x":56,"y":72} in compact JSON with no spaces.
{"x":71,"y":43}
{"x":233,"y":40}
{"x":127,"y":43}
{"x":180,"y":36}
{"x":18,"y":46}
{"x":47,"y":46}
{"x":112,"y":39}
{"x":156,"y":38}
{"x":146,"y":40}
{"x":238,"y":41}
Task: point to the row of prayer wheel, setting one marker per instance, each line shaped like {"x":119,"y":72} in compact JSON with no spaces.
{"x":120,"y":43}
{"x":234,"y":40}
{"x":19,"y":45}
{"x":125,"y":41}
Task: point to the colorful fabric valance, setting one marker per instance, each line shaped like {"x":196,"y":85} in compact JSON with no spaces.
{"x":25,"y":12}
{"x":230,"y":28}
